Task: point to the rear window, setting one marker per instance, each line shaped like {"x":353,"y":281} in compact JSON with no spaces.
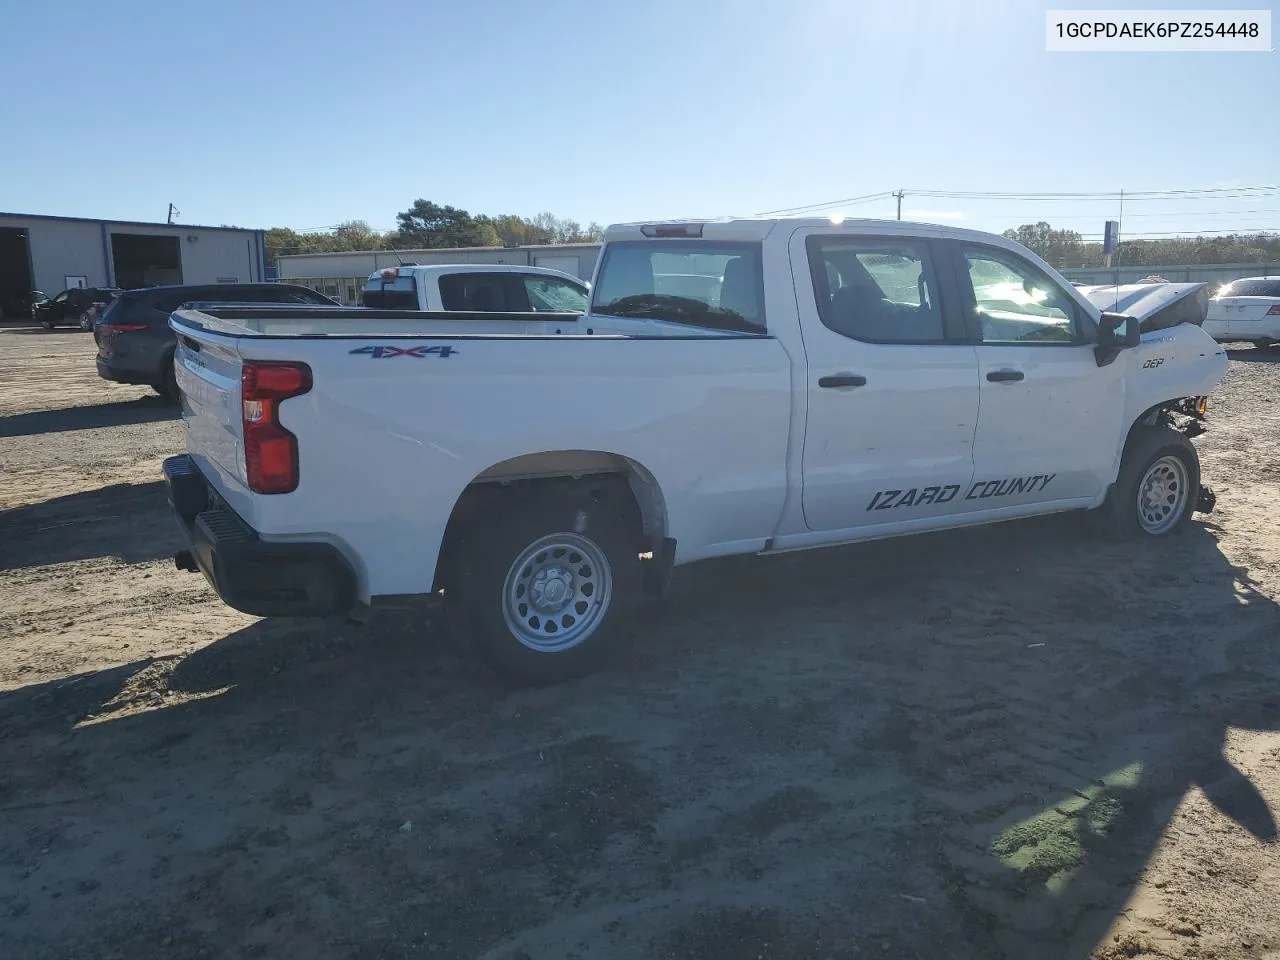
{"x":400,"y":293}
{"x":489,"y":292}
{"x":700,"y":283}
{"x":1252,"y":287}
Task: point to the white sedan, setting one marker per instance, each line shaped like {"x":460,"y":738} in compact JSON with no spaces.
{"x":1246,"y":309}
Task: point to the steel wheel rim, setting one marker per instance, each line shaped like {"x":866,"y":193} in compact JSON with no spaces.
{"x":1163,"y":494}
{"x":556,"y":592}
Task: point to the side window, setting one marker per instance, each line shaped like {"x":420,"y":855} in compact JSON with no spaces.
{"x":547,"y":294}
{"x":880,"y":291}
{"x":1014,"y":302}
{"x":482,"y":292}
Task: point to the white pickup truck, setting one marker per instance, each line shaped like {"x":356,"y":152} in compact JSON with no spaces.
{"x":475,"y":287}
{"x":746,"y":386}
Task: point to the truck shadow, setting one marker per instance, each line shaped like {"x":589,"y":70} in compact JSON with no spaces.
{"x":130,"y":521}
{"x":965,"y":745}
{"x":116,"y":414}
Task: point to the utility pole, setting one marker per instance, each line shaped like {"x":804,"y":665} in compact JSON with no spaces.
{"x":173,"y":210}
{"x":899,"y":194}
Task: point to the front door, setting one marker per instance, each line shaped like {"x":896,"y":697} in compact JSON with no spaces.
{"x":1048,"y":428}
{"x":892,"y":385}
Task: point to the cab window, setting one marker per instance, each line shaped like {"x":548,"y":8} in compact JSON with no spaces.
{"x":701,"y":283}
{"x":552,"y":295}
{"x":876,"y":290}
{"x":1014,"y":303}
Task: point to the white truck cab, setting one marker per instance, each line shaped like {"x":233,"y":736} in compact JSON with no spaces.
{"x":476,"y":288}
{"x":739,"y":386}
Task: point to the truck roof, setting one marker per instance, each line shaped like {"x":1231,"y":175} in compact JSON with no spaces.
{"x":757,"y":228}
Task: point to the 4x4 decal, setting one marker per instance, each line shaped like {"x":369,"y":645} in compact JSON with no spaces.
{"x":385,"y":351}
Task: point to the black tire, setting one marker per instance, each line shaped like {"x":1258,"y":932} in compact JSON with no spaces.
{"x":1120,"y":516}
{"x":47,"y":324}
{"x":169,"y":388}
{"x":509,"y":526}
{"x":86,"y":321}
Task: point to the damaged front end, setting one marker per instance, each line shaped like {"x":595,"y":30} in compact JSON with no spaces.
{"x":1157,"y":306}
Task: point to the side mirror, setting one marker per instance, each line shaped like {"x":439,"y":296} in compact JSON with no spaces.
{"x":1116,"y":332}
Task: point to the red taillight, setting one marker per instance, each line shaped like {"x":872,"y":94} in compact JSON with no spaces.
{"x":1274,"y":311}
{"x":270,"y":451}
{"x":123,"y":327}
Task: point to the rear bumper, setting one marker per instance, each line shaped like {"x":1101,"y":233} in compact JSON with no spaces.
{"x":133,"y":357}
{"x":108,"y":371}
{"x":1256,"y":331}
{"x":267,"y":578}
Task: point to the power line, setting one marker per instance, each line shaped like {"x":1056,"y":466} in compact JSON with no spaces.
{"x":1258,"y":191}
{"x":1095,"y":216}
{"x":1192,"y":234}
{"x":816,"y":207}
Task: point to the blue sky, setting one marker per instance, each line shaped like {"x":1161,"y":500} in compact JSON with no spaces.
{"x":278,"y":112}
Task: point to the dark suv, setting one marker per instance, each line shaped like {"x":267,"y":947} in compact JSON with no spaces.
{"x":135,"y":343}
{"x":77,"y":307}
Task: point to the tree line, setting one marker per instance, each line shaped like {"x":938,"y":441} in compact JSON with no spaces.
{"x":427,"y":225}
{"x":1065,"y":249}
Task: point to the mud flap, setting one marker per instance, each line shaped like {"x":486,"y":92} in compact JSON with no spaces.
{"x":1206,"y":501}
{"x":657,"y":571}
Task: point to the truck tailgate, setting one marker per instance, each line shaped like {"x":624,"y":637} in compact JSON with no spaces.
{"x":208,"y":372}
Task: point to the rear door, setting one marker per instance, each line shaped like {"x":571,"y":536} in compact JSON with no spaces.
{"x":892,"y":384}
{"x":1050,"y":416}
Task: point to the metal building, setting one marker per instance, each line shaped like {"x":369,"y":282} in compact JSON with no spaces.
{"x":343,"y":275}
{"x":51,"y":254}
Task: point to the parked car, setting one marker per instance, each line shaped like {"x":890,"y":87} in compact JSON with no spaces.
{"x":1247,"y":309}
{"x":78,"y":307}
{"x":476,"y":287}
{"x":736,"y":387}
{"x":15,"y":305}
{"x":135,"y":343}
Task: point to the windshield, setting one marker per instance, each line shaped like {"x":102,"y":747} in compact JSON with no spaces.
{"x":695,"y":282}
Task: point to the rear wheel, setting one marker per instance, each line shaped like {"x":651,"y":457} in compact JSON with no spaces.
{"x":546,"y":586}
{"x":169,"y":387}
{"x":1159,"y":483}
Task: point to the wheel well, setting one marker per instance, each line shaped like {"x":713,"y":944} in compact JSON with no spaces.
{"x":595,"y":474}
{"x":1162,"y":413}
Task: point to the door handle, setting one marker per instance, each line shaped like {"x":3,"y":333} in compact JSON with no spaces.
{"x":1005,"y":376}
{"x":842,"y":380}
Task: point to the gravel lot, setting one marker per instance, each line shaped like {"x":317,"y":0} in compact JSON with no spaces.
{"x":1013,"y":742}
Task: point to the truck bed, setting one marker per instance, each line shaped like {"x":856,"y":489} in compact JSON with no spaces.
{"x":364,"y":323}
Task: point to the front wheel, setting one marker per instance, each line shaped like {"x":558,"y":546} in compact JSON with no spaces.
{"x":47,"y":324}
{"x":1159,"y":483}
{"x":547,"y":586}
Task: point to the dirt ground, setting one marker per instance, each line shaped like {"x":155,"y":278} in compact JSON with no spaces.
{"x":1014,"y":742}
